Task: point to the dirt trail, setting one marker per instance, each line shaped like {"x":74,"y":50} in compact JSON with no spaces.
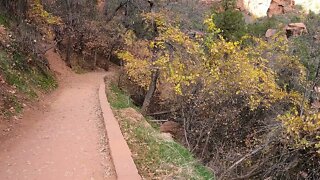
{"x":63,"y":137}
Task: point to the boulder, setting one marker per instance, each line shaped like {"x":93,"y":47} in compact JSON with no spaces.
{"x":280,"y":7}
{"x":240,"y":5}
{"x":170,"y":127}
{"x":295,"y":29}
{"x":131,"y":114}
{"x":257,"y":8}
{"x":315,"y":105}
{"x":270,"y":33}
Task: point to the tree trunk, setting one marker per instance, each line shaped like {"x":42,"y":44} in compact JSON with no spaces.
{"x":155,"y":74}
{"x":69,"y":51}
{"x":69,"y":43}
{"x":23,"y":8}
{"x":152,"y":89}
{"x":95,"y":60}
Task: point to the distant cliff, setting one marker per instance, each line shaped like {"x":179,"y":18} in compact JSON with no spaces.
{"x":261,"y":8}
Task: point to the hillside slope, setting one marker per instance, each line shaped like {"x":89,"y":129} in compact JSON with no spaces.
{"x":24,"y":77}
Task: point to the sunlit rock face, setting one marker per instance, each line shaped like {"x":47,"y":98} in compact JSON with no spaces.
{"x":259,"y":8}
{"x":309,"y":5}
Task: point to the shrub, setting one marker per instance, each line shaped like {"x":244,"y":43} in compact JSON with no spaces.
{"x":231,"y":23}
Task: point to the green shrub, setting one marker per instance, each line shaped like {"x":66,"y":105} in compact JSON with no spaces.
{"x":3,"y":20}
{"x":232,"y":24}
{"x":260,"y":27}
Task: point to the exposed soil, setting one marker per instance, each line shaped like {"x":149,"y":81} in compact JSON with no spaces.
{"x":61,"y":137}
{"x":101,"y":4}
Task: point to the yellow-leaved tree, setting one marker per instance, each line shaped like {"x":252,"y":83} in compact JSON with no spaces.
{"x":224,"y":92}
{"x":171,"y":57}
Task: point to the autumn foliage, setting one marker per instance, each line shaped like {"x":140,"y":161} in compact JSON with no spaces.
{"x":232,"y":97}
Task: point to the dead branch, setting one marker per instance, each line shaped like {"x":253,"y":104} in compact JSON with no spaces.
{"x":164,"y":120}
{"x":161,"y":113}
{"x":242,"y":159}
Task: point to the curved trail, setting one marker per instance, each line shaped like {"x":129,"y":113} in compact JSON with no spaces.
{"x":64,"y":138}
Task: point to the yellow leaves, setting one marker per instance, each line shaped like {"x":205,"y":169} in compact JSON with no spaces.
{"x":159,"y":44}
{"x":38,"y":13}
{"x":152,"y":44}
{"x":130,"y":38}
{"x":303,"y":128}
{"x":248,"y":71}
{"x":178,"y":89}
{"x":137,"y":69}
{"x":125,"y":55}
{"x":211,"y":27}
{"x":226,"y":70}
{"x":242,"y":68}
{"x":178,"y":57}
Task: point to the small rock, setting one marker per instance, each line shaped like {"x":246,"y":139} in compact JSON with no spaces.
{"x":166,"y":137}
{"x":270,"y":33}
{"x":170,"y":127}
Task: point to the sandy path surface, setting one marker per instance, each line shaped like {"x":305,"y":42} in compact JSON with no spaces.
{"x":62,"y":138}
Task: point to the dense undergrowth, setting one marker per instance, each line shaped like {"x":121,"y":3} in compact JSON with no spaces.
{"x":23,"y":71}
{"x":246,"y":102}
{"x":155,"y":157}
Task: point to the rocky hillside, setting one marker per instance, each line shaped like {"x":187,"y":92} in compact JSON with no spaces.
{"x":261,"y":8}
